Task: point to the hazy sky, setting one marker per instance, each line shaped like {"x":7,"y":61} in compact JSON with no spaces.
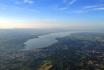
{"x":52,"y":14}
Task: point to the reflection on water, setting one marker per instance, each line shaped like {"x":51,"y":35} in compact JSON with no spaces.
{"x":45,"y":40}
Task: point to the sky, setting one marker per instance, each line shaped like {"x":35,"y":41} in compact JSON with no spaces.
{"x":70,"y":14}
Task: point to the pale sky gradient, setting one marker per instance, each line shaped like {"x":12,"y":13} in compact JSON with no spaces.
{"x":48,"y":24}
{"x":67,"y":14}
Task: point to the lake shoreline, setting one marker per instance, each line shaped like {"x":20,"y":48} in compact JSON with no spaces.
{"x":44,"y":40}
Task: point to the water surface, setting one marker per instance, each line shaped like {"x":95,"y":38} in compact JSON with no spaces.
{"x":44,"y":40}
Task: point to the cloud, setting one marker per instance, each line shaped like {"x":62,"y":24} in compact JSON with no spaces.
{"x":101,"y":8}
{"x":66,"y":4}
{"x":61,"y":8}
{"x":15,"y":8}
{"x":72,"y":2}
{"x":93,"y":6}
{"x":88,"y":7}
{"x":69,"y":2}
{"x":19,"y":2}
{"x":28,"y":1}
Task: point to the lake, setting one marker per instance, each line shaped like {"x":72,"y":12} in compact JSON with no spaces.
{"x":44,"y":40}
